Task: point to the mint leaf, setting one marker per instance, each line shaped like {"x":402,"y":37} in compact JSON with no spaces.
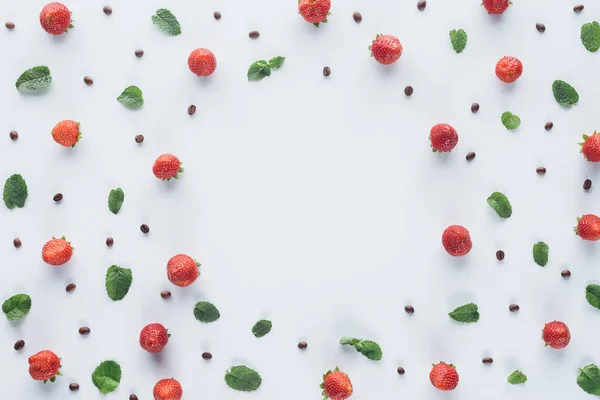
{"x":276,"y":62}
{"x":592,"y":295}
{"x":118,"y":282}
{"x":107,"y":376}
{"x":590,"y":36}
{"x":15,"y":192}
{"x":115,"y":200}
{"x":206,"y":312}
{"x":565,"y":94}
{"x":589,"y":379}
{"x":261,"y":328}
{"x":499,"y":202}
{"x":258,"y":70}
{"x":517,"y":378}
{"x":458,"y":38}
{"x":465,"y":313}
{"x":510,"y":121}
{"x":131,"y":97}
{"x":349,"y":341}
{"x":368,"y":348}
{"x":166,"y":21}
{"x":540,"y":253}
{"x":16,"y":307}
{"x":35,"y":78}
{"x":243,"y":378}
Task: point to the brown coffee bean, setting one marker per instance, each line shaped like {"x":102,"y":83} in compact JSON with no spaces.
{"x":302,"y":345}
{"x":566,"y":273}
{"x":587,"y":184}
{"x":139,"y":138}
{"x":217,"y":15}
{"x":88,"y":80}
{"x":165,"y":294}
{"x":421,"y":5}
{"x":73,"y":387}
{"x":401,"y":371}
{"x":84,"y":330}
{"x":326,"y":71}
{"x":133,"y":397}
{"x":19,"y":344}
{"x":58,"y":197}
{"x":9,"y":25}
{"x":409,"y":309}
{"x":70,"y":287}
{"x":139,"y":53}
{"x":206,"y":356}
{"x":470,"y":156}
{"x":500,"y":255}
{"x":110,"y":241}
{"x":548,"y":126}
{"x":514,"y":307}
{"x":107,"y":10}
{"x":145,"y":228}
{"x":474,"y":107}
{"x":192,"y":109}
{"x":357,"y":17}
{"x":408,"y":90}
{"x":540,"y":27}
{"x":13,"y":135}
{"x":17,"y":242}
{"x":254,"y":34}
{"x":578,"y":8}
{"x":487,"y":360}
{"x":540,"y":170}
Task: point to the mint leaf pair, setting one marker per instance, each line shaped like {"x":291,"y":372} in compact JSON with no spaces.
{"x":367,"y":348}
{"x":458,"y":38}
{"x":261,"y":68}
{"x":510,"y":121}
{"x":15,"y":192}
{"x":590,"y":36}
{"x":115,"y":200}
{"x":107,"y":376}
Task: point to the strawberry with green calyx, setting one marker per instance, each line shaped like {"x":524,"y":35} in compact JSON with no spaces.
{"x":57,"y":251}
{"x":154,"y":337}
{"x":44,"y":366}
{"x":590,"y":147}
{"x":444,"y":376}
{"x":55,"y":18}
{"x":66,"y":133}
{"x":386,"y":49}
{"x":336,"y":385}
{"x":443,"y":138}
{"x":167,"y":166}
{"x":182,"y":270}
{"x":314,"y":11}
{"x":556,"y":334}
{"x":588,"y":227}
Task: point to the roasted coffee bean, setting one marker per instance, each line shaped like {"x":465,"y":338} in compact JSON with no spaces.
{"x":326,"y":71}
{"x":192,"y":109}
{"x":409,"y":309}
{"x":357,"y":17}
{"x":139,"y":138}
{"x":165,"y":294}
{"x":566,"y":273}
{"x":421,"y":5}
{"x":139,"y":53}
{"x":470,"y":156}
{"x":19,"y":344}
{"x":487,"y":360}
{"x":84,"y":330}
{"x":133,"y":397}
{"x":58,"y":197}
{"x":587,"y":184}
{"x":17,"y":242}
{"x":401,"y":371}
{"x":408,"y":90}
{"x":514,"y":307}
{"x":88,"y":80}
{"x":145,"y":228}
{"x":73,"y":387}
{"x":70,"y":287}
{"x":474,"y":107}
{"x":302,"y":345}
{"x":9,"y":25}
{"x":13,"y":135}
{"x":540,"y":170}
{"x":107,"y":10}
{"x":217,"y":15}
{"x":206,"y":356}
{"x":578,"y":8}
{"x":500,"y":255}
{"x":540,"y":27}
{"x":109,"y":241}
{"x":548,"y":126}
{"x":254,"y":34}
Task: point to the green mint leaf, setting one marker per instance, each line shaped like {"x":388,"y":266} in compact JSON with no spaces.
{"x":540,"y":253}
{"x":107,"y":376}
{"x":589,"y":379}
{"x":349,"y":341}
{"x":276,"y":62}
{"x":368,"y":348}
{"x":118,"y":282}
{"x":243,"y":378}
{"x":565,"y":94}
{"x":131,"y":97}
{"x":261,"y":328}
{"x":166,"y":21}
{"x":16,"y":307}
{"x":35,"y":78}
{"x":458,"y":38}
{"x":510,"y":121}
{"x":258,"y":70}
{"x":499,"y":202}
{"x":590,"y":36}
{"x":115,"y":200}
{"x":517,"y":378}
{"x":592,"y":295}
{"x":465,"y":313}
{"x":206,"y":312}
{"x":15,"y":192}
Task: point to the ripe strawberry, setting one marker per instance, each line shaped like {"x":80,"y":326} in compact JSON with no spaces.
{"x":556,"y":335}
{"x":336,"y":385}
{"x":57,"y":251}
{"x":456,"y":240}
{"x":590,"y":147}
{"x":588,"y":227}
{"x":154,"y":337}
{"x":44,"y":366}
{"x":66,"y":133}
{"x":443,"y":138}
{"x":314,"y":11}
{"x":182,"y":270}
{"x":444,"y":376}
{"x":167,"y":389}
{"x":202,"y":62}
{"x":386,"y":49}
{"x":55,"y":18}
{"x":166,"y":167}
{"x":496,"y":6}
{"x":509,"y":69}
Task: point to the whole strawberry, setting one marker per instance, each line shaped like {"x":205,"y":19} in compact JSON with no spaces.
{"x":443,"y":138}
{"x":55,"y":18}
{"x":496,"y":6}
{"x":57,"y":251}
{"x":44,"y":366}
{"x":166,"y":167}
{"x":314,"y":11}
{"x":444,"y":376}
{"x":336,"y":385}
{"x":167,"y":389}
{"x":556,"y":335}
{"x":154,"y":337}
{"x":590,"y":147}
{"x":386,"y":49}
{"x":182,"y":270}
{"x":509,"y":69}
{"x":588,"y":227}
{"x":456,"y":240}
{"x":202,"y":62}
{"x":66,"y":133}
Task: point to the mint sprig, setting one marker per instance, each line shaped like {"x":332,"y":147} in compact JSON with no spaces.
{"x":517,"y":378}
{"x":590,"y":36}
{"x":261,"y":69}
{"x":540,"y":253}
{"x":131,"y":97}
{"x":499,"y":202}
{"x":565,"y":94}
{"x":118,"y":282}
{"x":368,"y":348}
{"x":166,"y":21}
{"x":107,"y":376}
{"x":261,"y":328}
{"x":465,"y":313}
{"x":243,"y":378}
{"x":115,"y":200}
{"x":16,"y":307}
{"x":15,"y":192}
{"x":36,"y":78}
{"x":206,"y":312}
{"x":458,"y":38}
{"x":510,"y":121}
{"x":592,"y":295}
{"x":589,"y":379}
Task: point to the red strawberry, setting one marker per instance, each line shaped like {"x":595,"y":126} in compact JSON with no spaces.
{"x":336,"y":385}
{"x":456,"y":240}
{"x":66,"y":133}
{"x":202,"y":62}
{"x":314,"y":11}
{"x":444,"y":376}
{"x":154,"y":337}
{"x":386,"y":49}
{"x":443,"y":138}
{"x":44,"y":366}
{"x":590,"y":147}
{"x":182,"y":270}
{"x":556,"y":335}
{"x":57,"y":251}
{"x":496,"y":6}
{"x":588,"y":227}
{"x":167,"y":389}
{"x":55,"y":18}
{"x":509,"y":69}
{"x":166,"y":167}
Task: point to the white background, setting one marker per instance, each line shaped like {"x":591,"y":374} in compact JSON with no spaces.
{"x":310,"y":201}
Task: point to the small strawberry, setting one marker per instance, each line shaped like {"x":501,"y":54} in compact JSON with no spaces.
{"x":57,"y":251}
{"x":496,"y":6}
{"x":166,"y":167}
{"x":182,"y":270}
{"x":444,"y":376}
{"x":66,"y":133}
{"x":456,"y":240}
{"x":154,"y":337}
{"x":386,"y":49}
{"x":44,"y":366}
{"x":443,"y":138}
{"x":336,"y":385}
{"x":590,"y":147}
{"x":556,"y":335}
{"x":202,"y":62}
{"x":314,"y":11}
{"x":509,"y":69}
{"x":588,"y":227}
{"x":55,"y":18}
{"x":167,"y":389}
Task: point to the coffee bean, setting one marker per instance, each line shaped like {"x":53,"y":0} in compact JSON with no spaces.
{"x":165,"y":294}
{"x":487,"y":360}
{"x":13,"y":135}
{"x":19,"y":344}
{"x":70,"y":287}
{"x":84,"y":330}
{"x":540,"y":27}
{"x":139,"y":53}
{"x":58,"y":197}
{"x":254,"y":34}
{"x":110,"y":241}
{"x":206,"y":356}
{"x":514,"y":307}
{"x":139,"y":138}
{"x":133,"y":397}
{"x":401,"y":371}
{"x":500,"y":255}
{"x":217,"y":15}
{"x":421,"y":5}
{"x":566,"y":273}
{"x":357,"y":17}
{"x":326,"y":71}
{"x":578,"y":8}
{"x":9,"y":25}
{"x":409,"y":309}
{"x":73,"y":387}
{"x":470,"y":156}
{"x":88,"y":80}
{"x":107,"y":10}
{"x":408,"y":90}
{"x":474,"y":107}
{"x":17,"y":242}
{"x":540,"y":170}
{"x":302,"y":345}
{"x":548,"y":126}
{"x":587,"y":184}
{"x":192,"y":109}
{"x":145,"y":228}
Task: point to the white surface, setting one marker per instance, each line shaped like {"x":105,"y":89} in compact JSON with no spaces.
{"x":314,"y":202}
